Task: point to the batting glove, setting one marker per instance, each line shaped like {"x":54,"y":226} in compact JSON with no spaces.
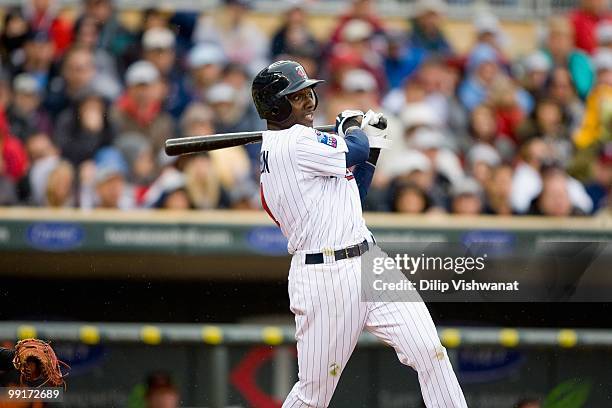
{"x":347,"y":119}
{"x":375,"y":127}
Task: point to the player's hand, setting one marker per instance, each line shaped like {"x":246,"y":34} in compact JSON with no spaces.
{"x":347,"y":119}
{"x":374,"y":124}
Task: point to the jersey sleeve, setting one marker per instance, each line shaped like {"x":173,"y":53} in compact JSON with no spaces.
{"x":321,"y":154}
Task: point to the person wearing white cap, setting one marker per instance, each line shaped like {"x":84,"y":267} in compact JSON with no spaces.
{"x":598,"y":113}
{"x":158,"y":45}
{"x":139,"y":109}
{"x":467,"y":197}
{"x":537,"y":67}
{"x":205,"y":62}
{"x":481,"y":160}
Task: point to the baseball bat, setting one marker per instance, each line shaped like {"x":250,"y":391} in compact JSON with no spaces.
{"x":195,"y":144}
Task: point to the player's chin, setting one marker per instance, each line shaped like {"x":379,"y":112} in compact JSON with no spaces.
{"x":307,"y":120}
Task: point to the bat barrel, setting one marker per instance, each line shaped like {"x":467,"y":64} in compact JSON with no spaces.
{"x":195,"y":144}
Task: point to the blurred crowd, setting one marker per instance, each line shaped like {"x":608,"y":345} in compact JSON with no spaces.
{"x":86,"y":104}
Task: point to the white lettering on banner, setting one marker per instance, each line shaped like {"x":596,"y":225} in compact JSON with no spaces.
{"x":159,"y":236}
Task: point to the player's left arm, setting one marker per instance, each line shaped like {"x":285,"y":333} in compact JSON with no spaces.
{"x":370,"y":128}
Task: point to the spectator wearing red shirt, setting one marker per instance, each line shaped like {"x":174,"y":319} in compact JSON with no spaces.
{"x":43,"y":15}
{"x":14,"y":160}
{"x":585,"y":20}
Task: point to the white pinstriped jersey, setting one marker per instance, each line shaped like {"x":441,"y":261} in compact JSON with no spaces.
{"x":308,"y":191}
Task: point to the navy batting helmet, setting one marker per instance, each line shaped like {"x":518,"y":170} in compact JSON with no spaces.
{"x":272,"y":85}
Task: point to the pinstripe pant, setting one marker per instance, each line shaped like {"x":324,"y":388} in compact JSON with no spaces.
{"x":330,"y":316}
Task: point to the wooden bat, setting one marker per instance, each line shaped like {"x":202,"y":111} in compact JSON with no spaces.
{"x":195,"y":144}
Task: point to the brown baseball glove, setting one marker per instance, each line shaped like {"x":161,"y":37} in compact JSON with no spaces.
{"x":38,"y":364}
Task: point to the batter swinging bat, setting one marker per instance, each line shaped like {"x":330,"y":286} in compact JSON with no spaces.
{"x":195,"y":144}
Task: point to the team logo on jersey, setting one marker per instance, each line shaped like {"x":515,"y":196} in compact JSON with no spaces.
{"x":300,"y":71}
{"x":326,"y":139}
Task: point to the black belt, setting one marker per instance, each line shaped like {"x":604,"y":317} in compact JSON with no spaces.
{"x":348,"y":252}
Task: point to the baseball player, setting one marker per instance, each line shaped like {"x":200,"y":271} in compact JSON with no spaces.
{"x":309,"y":191}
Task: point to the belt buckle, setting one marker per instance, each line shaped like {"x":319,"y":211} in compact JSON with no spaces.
{"x":346,"y":252}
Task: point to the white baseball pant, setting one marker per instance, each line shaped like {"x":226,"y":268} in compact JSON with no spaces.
{"x":330,"y":315}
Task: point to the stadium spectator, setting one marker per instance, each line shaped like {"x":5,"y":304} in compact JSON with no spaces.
{"x":15,"y":30}
{"x":481,"y":160}
{"x":598,"y":115}
{"x":241,"y":40}
{"x":158,"y":46}
{"x":77,"y":73}
{"x":231,"y":165}
{"x":44,"y":157}
{"x":168,"y":192}
{"x":433,"y":144}
{"x":554,"y":199}
{"x":37,"y":57}
{"x":60,"y":186}
{"x":409,"y":198}
{"x":509,"y":104}
{"x":537,"y":68}
{"x":355,"y":50}
{"x":14,"y":157}
{"x":203,"y":184}
{"x":137,"y":150}
{"x":139,"y":109}
{"x":598,"y":187}
{"x":358,"y":90}
{"x":427,"y":37}
{"x":84,"y":127}
{"x":107,"y":188}
{"x":498,"y":191}
{"x":233,"y":113}
{"x":560,"y":49}
{"x":362,"y":10}
{"x":205,"y":62}
{"x":585,"y":19}
{"x":400,"y":62}
{"x":466,"y":197}
{"x":25,"y":114}
{"x":112,"y":36}
{"x":527,"y":180}
{"x":86,"y":34}
{"x":489,"y":31}
{"x":416,"y":168}
{"x":43,"y":16}
{"x":547,"y":122}
{"x":482,"y":68}
{"x":561,"y":90}
{"x":294,"y":36}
